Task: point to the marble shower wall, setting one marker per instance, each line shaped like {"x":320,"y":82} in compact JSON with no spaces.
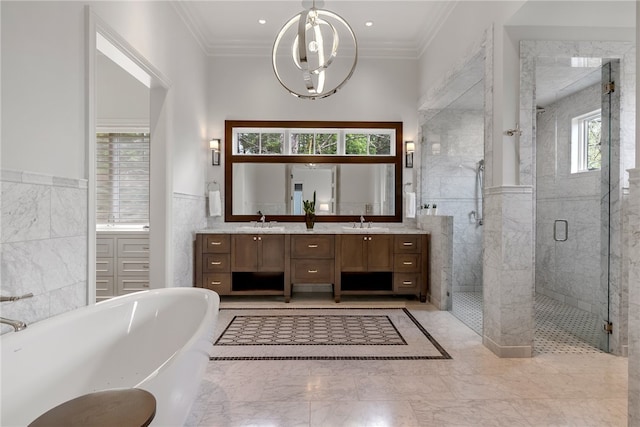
{"x":43,"y":244}
{"x":188,"y":217}
{"x":568,"y":271}
{"x":623,"y":157}
{"x":449,"y":180}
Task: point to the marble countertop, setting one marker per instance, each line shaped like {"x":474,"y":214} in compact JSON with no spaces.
{"x":319,"y":228}
{"x":122,"y":230}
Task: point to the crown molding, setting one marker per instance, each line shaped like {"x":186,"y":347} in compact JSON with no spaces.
{"x":434,"y":24}
{"x":261,"y":48}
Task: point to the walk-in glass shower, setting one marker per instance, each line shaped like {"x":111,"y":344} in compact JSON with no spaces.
{"x":453,"y":180}
{"x":577,"y":128}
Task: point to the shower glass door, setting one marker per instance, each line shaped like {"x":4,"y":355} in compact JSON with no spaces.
{"x":575,"y":132}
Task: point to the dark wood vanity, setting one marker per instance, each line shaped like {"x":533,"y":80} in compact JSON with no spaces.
{"x":265,"y":263}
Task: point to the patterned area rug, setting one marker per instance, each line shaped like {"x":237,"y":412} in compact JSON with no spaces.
{"x":322,"y":334}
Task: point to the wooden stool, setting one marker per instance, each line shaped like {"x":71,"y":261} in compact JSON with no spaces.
{"x":130,"y":407}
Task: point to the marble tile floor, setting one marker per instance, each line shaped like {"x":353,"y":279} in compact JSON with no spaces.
{"x":475,"y":388}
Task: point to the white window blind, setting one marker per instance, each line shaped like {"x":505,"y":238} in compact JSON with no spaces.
{"x":122,"y":174}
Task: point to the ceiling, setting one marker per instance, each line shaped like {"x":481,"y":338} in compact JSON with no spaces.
{"x":556,"y":79}
{"x":230,"y":28}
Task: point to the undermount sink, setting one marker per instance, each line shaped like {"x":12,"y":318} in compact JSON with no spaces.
{"x":366,"y":229}
{"x":258,"y":229}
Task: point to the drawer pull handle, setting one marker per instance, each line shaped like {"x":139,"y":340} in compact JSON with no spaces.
{"x":407,"y":244}
{"x":216,"y":243}
{"x":216,"y":262}
{"x":145,"y":266}
{"x":312,"y":271}
{"x":313,"y":246}
{"x":145,"y":248}
{"x":407,"y":282}
{"x":407,"y":263}
{"x":216,"y":283}
{"x":145,"y":285}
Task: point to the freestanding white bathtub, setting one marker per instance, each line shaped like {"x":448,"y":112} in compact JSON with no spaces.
{"x":155,"y":340}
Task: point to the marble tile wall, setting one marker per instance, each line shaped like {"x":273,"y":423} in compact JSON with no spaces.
{"x":43,"y":244}
{"x":508,"y":272}
{"x":449,"y":179}
{"x":440,"y":228}
{"x":569,"y":271}
{"x":634,"y":296}
{"x":188,"y":217}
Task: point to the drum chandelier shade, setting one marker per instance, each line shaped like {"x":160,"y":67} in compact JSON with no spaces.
{"x":314,"y":54}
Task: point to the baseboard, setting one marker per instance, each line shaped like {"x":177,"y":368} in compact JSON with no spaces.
{"x":524,"y":351}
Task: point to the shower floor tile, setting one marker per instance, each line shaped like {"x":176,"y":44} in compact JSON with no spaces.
{"x":467,"y":306}
{"x":559,"y":328}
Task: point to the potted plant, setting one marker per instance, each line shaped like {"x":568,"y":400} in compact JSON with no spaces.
{"x":309,"y":211}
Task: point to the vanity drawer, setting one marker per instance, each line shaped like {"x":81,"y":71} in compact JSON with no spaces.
{"x":133,"y":267}
{"x":104,"y":288}
{"x":127,"y":285}
{"x":220,"y":283}
{"x":407,"y":243}
{"x":406,"y":282}
{"x":133,"y":248}
{"x":216,"y":263}
{"x":104,"y":247}
{"x":317,"y":246}
{"x":406,"y":263}
{"x":312,"y":271}
{"x":216,"y":244}
{"x":104,"y":267}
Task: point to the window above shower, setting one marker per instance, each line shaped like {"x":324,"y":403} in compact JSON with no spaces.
{"x":586,"y":130}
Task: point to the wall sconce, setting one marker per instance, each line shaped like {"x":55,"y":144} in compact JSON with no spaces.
{"x":409,"y":148}
{"x":214,"y":144}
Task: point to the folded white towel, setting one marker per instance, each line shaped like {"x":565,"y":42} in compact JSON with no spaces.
{"x":410,"y":205}
{"x":215,"y":203}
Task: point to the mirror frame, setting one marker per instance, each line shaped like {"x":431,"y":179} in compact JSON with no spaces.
{"x":231,"y":159}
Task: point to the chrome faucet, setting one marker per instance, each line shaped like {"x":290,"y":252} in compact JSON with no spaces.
{"x":263,"y":218}
{"x":15,"y":298}
{"x":18,"y":325}
{"x":361,"y":221}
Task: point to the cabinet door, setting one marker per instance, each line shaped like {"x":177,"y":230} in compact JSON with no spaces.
{"x":353,"y":253}
{"x":380,"y":252}
{"x":244,"y":253}
{"x":271,"y":252}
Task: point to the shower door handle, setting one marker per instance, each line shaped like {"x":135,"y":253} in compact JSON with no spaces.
{"x":565,"y":226}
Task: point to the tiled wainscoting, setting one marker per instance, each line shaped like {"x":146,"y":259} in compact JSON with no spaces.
{"x":44,"y":244}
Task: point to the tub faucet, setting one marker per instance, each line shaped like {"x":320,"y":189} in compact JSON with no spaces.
{"x":18,"y":325}
{"x":15,"y":298}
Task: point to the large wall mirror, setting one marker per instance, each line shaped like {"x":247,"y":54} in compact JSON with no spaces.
{"x":355,"y":169}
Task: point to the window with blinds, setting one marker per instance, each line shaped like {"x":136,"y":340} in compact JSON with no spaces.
{"x":122,"y":172}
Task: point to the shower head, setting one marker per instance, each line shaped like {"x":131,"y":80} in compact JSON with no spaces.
{"x":481,"y":164}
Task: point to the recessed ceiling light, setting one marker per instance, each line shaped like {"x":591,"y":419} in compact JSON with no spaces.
{"x":368,"y":24}
{"x":262,"y":21}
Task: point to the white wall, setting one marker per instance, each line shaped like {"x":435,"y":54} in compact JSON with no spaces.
{"x":44,"y":113}
{"x":246,"y":88}
{"x":122,"y":100}
{"x":43,"y":81}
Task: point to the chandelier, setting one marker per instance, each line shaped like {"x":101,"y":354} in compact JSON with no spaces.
{"x":305,"y":54}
